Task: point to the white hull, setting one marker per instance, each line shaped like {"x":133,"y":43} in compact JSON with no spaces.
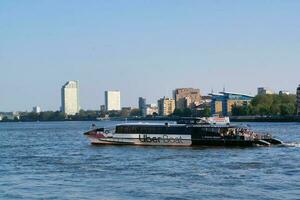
{"x":143,"y":139}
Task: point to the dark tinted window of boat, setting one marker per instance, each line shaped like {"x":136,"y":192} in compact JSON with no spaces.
{"x":123,"y":129}
{"x":212,"y":129}
{"x":120,"y":129}
{"x":148,"y":129}
{"x":207,"y":130}
{"x":131,"y":129}
{"x":197,"y":130}
{"x":137,"y":129}
{"x":176,"y":130}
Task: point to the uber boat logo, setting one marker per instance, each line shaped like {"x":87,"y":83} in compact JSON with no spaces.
{"x":164,"y":139}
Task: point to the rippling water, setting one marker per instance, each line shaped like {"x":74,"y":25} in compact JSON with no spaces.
{"x":55,"y":161}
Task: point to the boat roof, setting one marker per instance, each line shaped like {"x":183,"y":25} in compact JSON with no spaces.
{"x":149,"y":124}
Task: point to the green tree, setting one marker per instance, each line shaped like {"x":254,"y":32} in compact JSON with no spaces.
{"x":177,"y":112}
{"x":5,"y":119}
{"x":125,"y":113}
{"x":114,"y":114}
{"x":187,"y":112}
{"x":263,"y":109}
{"x":273,"y":105}
{"x":182,"y":113}
{"x":287,"y":109}
{"x":240,"y":110}
{"x":206,"y":112}
{"x":135,"y":112}
{"x":155,"y":114}
{"x":275,"y":109}
{"x":266,"y":100}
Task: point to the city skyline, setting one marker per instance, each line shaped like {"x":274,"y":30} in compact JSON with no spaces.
{"x":136,"y":104}
{"x":144,"y":49}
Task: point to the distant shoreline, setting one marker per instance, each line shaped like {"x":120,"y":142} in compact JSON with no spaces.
{"x":232,"y":119}
{"x":265,"y":118}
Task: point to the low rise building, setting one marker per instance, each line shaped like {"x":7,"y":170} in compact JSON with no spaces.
{"x":205,"y":100}
{"x":36,"y":109}
{"x":102,"y":108}
{"x":222,"y":102}
{"x":151,"y":109}
{"x":217,"y":104}
{"x":284,"y":92}
{"x":166,"y":106}
{"x":125,"y":111}
{"x":9,"y":116}
{"x":264,"y":91}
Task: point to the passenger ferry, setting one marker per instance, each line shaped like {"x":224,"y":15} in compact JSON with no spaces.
{"x":212,"y":131}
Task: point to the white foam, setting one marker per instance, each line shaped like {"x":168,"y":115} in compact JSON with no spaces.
{"x":291,"y":144}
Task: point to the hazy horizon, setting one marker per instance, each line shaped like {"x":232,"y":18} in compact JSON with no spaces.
{"x":144,"y":48}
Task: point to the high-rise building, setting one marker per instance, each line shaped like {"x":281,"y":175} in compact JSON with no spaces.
{"x":113,"y":100}
{"x":142,"y":106}
{"x":166,"y":106}
{"x":70,"y":98}
{"x":264,"y":91}
{"x":298,"y":100}
{"x":187,"y":98}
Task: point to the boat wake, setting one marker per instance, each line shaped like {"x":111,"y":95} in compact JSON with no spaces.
{"x":290,"y":144}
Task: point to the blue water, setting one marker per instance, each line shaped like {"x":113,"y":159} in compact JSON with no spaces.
{"x":55,"y":161}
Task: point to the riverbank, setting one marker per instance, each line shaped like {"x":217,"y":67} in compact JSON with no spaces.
{"x":158,"y":118}
{"x":265,"y":118}
{"x":232,"y":119}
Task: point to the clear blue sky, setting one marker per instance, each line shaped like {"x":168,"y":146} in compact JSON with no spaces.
{"x":144,"y":48}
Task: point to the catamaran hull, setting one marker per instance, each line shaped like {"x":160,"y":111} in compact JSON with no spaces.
{"x":142,"y":140}
{"x":166,"y":140}
{"x":179,"y":135}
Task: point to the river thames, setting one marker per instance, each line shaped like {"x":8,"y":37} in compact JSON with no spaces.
{"x":53,"y":160}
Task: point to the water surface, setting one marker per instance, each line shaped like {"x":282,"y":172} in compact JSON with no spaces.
{"x":53,"y":160}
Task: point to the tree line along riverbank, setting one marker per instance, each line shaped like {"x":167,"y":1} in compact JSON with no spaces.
{"x":60,"y":117}
{"x":262,"y":108}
